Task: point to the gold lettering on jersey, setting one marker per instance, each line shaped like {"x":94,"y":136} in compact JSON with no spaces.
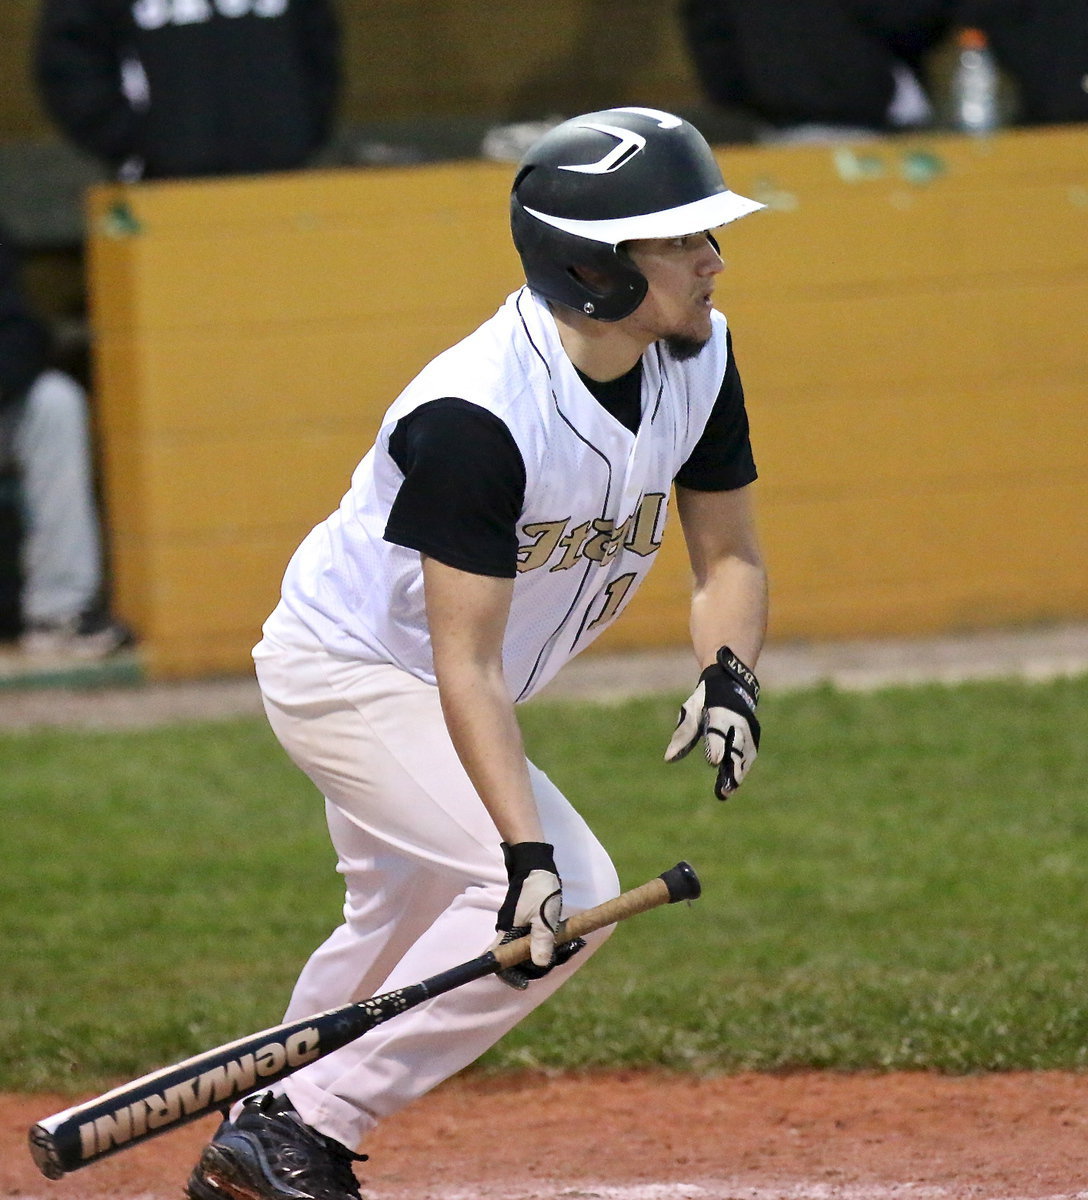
{"x":572,"y":544}
{"x":559,"y":545}
{"x":648,"y":520}
{"x":606,"y":540}
{"x":546,"y":536}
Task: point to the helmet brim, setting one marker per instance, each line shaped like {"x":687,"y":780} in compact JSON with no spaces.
{"x":708,"y":213}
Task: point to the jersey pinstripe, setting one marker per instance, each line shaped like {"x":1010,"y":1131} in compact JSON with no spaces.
{"x":596,"y":500}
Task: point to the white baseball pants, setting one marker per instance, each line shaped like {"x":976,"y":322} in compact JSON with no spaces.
{"x":424,"y":878}
{"x":50,"y":445}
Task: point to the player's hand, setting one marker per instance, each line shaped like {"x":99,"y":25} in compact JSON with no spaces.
{"x":533,"y":907}
{"x":721,"y":710}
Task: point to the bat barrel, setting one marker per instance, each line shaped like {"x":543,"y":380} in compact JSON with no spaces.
{"x":213,"y":1080}
{"x":165,"y":1099}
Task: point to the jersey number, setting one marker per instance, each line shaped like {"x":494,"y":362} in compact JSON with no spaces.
{"x":614,"y":596}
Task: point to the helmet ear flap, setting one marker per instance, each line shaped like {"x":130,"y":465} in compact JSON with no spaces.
{"x":554,"y":263}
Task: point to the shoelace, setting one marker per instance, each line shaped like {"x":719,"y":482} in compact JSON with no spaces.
{"x":324,"y":1171}
{"x":329,"y":1176}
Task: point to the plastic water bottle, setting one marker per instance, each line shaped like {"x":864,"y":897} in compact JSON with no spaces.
{"x":974,"y":85}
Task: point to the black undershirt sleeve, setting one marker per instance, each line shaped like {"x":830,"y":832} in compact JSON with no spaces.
{"x":463,"y":489}
{"x":722,"y":459}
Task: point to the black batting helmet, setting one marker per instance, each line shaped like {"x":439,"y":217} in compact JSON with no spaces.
{"x":603,"y":179}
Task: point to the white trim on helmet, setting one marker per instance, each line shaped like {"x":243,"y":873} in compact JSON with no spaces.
{"x":708,"y":213}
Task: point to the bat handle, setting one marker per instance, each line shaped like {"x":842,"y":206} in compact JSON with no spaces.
{"x":675,"y":884}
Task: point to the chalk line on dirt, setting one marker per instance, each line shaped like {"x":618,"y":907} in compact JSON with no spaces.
{"x":706,"y":1190}
{"x":732,"y":1190}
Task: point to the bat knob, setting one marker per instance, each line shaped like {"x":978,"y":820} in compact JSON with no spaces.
{"x":682,"y":882}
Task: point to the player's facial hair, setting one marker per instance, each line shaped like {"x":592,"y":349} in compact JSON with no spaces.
{"x":682,"y":348}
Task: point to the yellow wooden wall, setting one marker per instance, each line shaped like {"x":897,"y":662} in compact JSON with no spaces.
{"x":910,"y":317}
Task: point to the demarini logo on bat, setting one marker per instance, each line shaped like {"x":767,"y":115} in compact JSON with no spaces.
{"x":218,"y":1084}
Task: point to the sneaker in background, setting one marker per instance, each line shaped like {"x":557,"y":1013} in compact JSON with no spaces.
{"x":90,"y":636}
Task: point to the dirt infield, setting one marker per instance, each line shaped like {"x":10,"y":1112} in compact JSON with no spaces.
{"x":647,"y":1136}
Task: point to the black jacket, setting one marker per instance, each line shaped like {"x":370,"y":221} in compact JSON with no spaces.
{"x":255,"y":91}
{"x":791,"y":62}
{"x":24,"y":340}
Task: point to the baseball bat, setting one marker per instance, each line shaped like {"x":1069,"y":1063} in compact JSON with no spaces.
{"x":175,"y":1095}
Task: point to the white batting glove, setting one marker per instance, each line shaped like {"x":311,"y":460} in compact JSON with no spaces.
{"x":533,"y":907}
{"x":722,"y":711}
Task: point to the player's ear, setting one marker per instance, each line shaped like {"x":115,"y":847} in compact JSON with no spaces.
{"x":596,"y":280}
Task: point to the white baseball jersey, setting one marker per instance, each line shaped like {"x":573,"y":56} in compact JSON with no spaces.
{"x":596,"y":497}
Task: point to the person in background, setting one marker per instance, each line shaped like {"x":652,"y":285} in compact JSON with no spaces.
{"x":169,"y":88}
{"x":810,"y":70}
{"x":44,"y":436}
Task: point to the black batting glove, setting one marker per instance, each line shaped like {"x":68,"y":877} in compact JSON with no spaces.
{"x":533,"y":907}
{"x":722,"y":711}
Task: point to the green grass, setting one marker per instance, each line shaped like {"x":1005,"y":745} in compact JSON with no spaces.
{"x":902,"y":883}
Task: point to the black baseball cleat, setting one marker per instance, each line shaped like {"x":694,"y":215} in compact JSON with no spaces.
{"x":269,"y":1154}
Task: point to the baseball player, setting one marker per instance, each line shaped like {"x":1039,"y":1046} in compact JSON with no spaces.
{"x":511,"y":505}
